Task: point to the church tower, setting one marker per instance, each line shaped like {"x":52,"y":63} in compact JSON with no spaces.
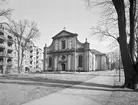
{"x":86,"y":55}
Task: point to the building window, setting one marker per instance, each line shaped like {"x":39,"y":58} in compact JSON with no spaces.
{"x":50,"y":62}
{"x":1,"y":33}
{"x":63,"y":43}
{"x":56,"y":45}
{"x":80,"y":61}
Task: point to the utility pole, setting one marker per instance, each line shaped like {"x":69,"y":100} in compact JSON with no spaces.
{"x":119,"y":67}
{"x":75,"y":56}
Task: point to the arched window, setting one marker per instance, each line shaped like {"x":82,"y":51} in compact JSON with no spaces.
{"x":50,"y":62}
{"x":80,"y":61}
{"x":63,"y":43}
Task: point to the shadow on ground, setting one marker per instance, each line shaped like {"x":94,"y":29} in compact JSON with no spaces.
{"x":38,"y":81}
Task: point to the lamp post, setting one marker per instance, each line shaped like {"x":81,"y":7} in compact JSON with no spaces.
{"x":119,"y":67}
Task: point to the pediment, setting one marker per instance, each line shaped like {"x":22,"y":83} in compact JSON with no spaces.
{"x":64,"y":33}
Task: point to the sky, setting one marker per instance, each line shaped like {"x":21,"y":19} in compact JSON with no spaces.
{"x":53,"y":15}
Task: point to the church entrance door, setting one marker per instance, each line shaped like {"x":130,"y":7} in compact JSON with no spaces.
{"x":63,"y":66}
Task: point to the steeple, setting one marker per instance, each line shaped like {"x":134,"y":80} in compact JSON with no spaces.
{"x":87,"y":45}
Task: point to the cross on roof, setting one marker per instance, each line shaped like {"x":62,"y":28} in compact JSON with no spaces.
{"x":64,"y":28}
{"x":86,"y":39}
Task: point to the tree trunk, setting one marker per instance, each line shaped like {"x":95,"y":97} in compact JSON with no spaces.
{"x":22,"y":56}
{"x":125,"y":54}
{"x":18,"y":62}
{"x":18,"y":50}
{"x":132,"y":12}
{"x":127,"y":63}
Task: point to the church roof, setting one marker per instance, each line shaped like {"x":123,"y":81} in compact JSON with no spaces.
{"x":64,"y":33}
{"x":96,"y":52}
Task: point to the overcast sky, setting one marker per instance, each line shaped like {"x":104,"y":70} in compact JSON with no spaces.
{"x":53,"y":15}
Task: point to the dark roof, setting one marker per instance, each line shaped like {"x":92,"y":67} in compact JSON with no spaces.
{"x":69,"y":34}
{"x":96,"y":52}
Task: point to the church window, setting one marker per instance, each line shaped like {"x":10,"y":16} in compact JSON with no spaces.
{"x":56,"y":45}
{"x":50,"y":62}
{"x":80,"y":61}
{"x":63,"y":57}
{"x":70,"y":44}
{"x":63,"y":43}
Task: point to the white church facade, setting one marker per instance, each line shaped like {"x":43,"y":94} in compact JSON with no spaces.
{"x":66,"y":53}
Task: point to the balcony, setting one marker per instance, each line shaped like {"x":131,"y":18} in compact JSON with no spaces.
{"x":10,"y":48}
{"x":1,"y":63}
{"x":9,"y":63}
{"x":2,"y":45}
{"x":37,"y":51}
{"x":2,"y":37}
{"x":1,"y":34}
{"x":31,"y":51}
{"x":37,"y":61}
{"x":31,"y":55}
{"x":9,"y":55}
{"x":31,"y":59}
{"x":10,"y":41}
{"x":31,"y":62}
{"x":2,"y":54}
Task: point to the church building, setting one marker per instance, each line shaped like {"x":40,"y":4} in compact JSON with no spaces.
{"x":66,"y":53}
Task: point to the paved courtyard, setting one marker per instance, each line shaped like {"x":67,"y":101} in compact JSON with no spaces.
{"x":19,"y":89}
{"x":95,"y":91}
{"x":89,"y":88}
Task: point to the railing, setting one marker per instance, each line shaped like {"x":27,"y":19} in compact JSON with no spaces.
{"x":2,"y":45}
{"x":31,"y":53}
{"x":2,"y":37}
{"x":10,"y":48}
{"x":31,"y":58}
{"x":10,"y":40}
{"x":9,"y":55}
{"x":2,"y":54}
{"x":1,"y":63}
{"x":9,"y":63}
{"x":31,"y":50}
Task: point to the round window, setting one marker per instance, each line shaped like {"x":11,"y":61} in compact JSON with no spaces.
{"x":63,"y":57}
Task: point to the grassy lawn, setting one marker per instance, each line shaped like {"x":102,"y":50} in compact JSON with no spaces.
{"x":19,"y":89}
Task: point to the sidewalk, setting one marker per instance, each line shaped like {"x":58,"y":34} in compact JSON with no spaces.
{"x":95,"y":91}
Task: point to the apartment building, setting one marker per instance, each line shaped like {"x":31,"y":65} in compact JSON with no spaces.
{"x":36,"y":62}
{"x":6,"y":44}
{"x":32,"y":61}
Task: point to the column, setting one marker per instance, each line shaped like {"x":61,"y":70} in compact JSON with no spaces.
{"x":55,"y":63}
{"x":58,"y":64}
{"x":69,"y":62}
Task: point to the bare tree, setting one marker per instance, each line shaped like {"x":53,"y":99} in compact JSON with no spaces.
{"x":24,"y":32}
{"x":4,"y":12}
{"x":114,"y":58}
{"x":127,"y":50}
